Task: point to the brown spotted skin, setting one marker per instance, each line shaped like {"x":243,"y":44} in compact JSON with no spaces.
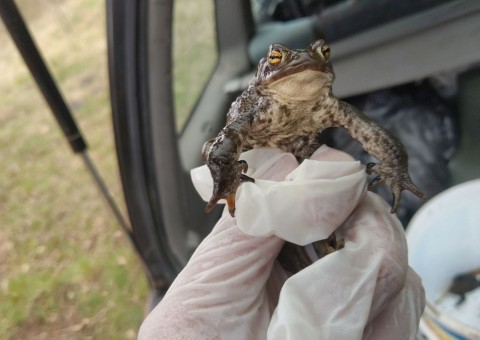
{"x":287,"y":105}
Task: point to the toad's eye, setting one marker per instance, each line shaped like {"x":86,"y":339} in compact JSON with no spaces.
{"x":324,"y":51}
{"x":274,"y":57}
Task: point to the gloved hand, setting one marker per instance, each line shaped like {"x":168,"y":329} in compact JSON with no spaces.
{"x":233,"y":288}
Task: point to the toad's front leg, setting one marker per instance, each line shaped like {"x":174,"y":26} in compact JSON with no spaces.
{"x":221,"y":156}
{"x":396,"y":178}
{"x":383,"y":145}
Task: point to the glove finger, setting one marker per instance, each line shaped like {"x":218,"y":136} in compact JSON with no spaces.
{"x":309,"y":205}
{"x":325,"y":153}
{"x":337,"y":296}
{"x":402,"y":314}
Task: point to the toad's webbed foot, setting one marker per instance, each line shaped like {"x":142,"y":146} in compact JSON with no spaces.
{"x":397,"y":179}
{"x":227,"y":177}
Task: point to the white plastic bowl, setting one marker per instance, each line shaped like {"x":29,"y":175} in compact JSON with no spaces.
{"x":444,"y":240}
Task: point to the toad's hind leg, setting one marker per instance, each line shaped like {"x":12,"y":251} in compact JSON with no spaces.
{"x":294,"y":258}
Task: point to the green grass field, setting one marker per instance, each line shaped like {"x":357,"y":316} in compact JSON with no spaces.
{"x":66,"y":270}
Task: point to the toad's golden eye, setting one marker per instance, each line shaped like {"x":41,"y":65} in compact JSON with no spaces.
{"x":274,"y":57}
{"x":323,"y":51}
{"x":326,"y":51}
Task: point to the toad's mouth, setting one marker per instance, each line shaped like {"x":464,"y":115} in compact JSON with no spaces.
{"x":306,"y":85}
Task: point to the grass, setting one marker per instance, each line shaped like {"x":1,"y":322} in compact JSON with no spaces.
{"x":66,"y":270}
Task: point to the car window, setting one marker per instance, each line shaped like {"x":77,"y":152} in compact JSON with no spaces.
{"x":194,"y":53}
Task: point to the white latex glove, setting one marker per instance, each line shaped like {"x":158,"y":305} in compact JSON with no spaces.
{"x":232,"y":287}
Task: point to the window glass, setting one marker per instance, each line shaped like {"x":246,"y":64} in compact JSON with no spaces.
{"x":194,"y":53}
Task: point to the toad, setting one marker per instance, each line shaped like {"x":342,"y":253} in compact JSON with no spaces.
{"x":287,"y":104}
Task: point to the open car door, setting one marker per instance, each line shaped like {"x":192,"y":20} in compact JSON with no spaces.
{"x":375,"y":51}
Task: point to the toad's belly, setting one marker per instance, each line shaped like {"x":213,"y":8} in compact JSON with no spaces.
{"x":301,"y":142}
